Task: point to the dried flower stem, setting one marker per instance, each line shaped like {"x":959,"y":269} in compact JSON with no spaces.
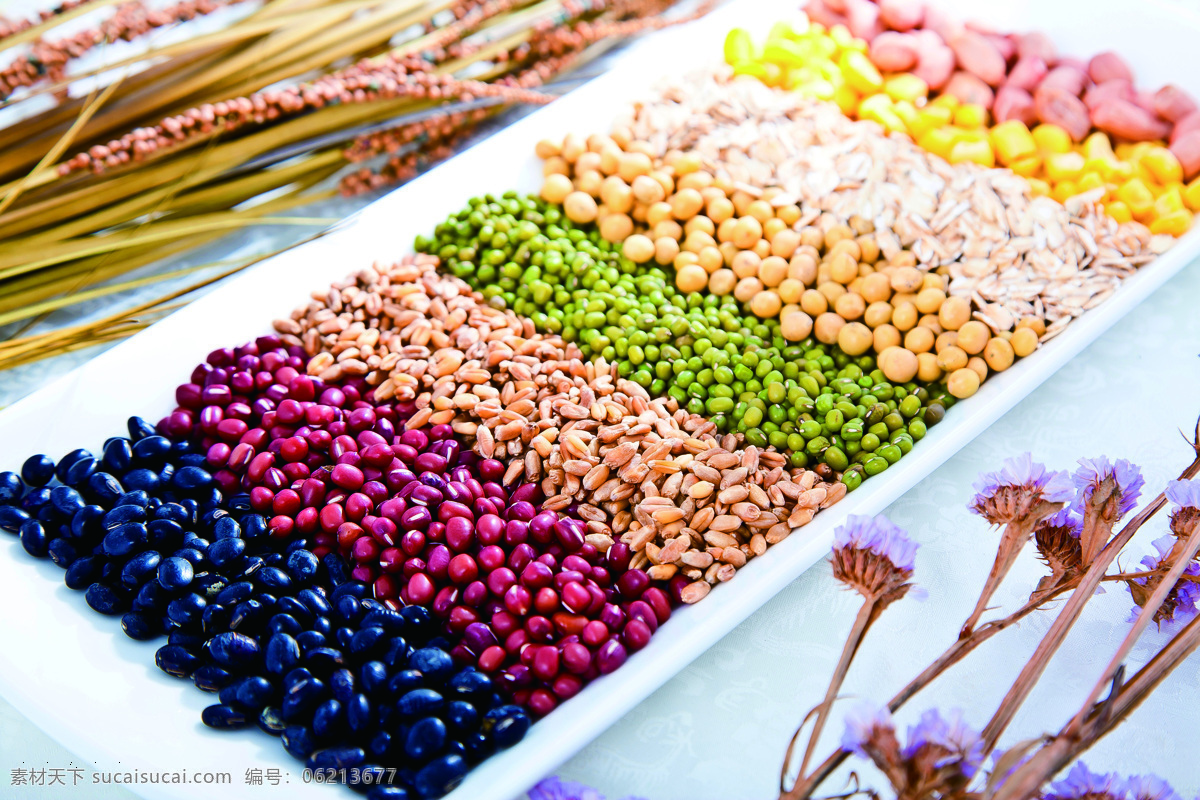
{"x":1183,"y":559}
{"x":955,"y":653}
{"x":1071,"y":610}
{"x":1100,"y":719}
{"x":1012,"y":542}
{"x":804,"y":786}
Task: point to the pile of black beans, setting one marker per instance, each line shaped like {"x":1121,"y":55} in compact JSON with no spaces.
{"x":360,"y":692}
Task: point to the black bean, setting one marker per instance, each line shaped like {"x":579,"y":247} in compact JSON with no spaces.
{"x":223,"y":717}
{"x":175,"y":660}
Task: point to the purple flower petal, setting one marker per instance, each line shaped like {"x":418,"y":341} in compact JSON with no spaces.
{"x":1185,"y":494}
{"x":1067,"y":518}
{"x":878,"y":535}
{"x":1093,"y":471}
{"x":861,"y":723}
{"x":1022,"y":471}
{"x":553,"y":788}
{"x":1184,"y":602}
{"x":951,"y":733}
{"x":1082,"y":782}
{"x":1150,"y":787}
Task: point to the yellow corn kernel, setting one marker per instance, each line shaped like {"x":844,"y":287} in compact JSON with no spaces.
{"x":1167,"y":203}
{"x":1098,"y":145}
{"x":907,"y":112}
{"x":846,"y":99}
{"x":905,"y":86}
{"x":1039,"y":188}
{"x":739,"y":46}
{"x":1064,"y":166}
{"x":978,"y":151}
{"x":945,"y":101}
{"x":827,"y":48}
{"x":1135,"y":195}
{"x":970,"y":115}
{"x":1140,"y":170}
{"x":1026,"y":167}
{"x":819,"y":89}
{"x":1051,"y":139}
{"x":878,"y":108}
{"x":1191,"y":195}
{"x":940,"y":141}
{"x":972,"y":134}
{"x":841,"y":35}
{"x":1118,"y":211}
{"x":1089,"y":181}
{"x":786,"y":53}
{"x":1012,"y":141}
{"x":765,"y":71}
{"x":860,"y":73}
{"x":1063,"y":190}
{"x":786,"y":30}
{"x":1163,"y":164}
{"x":1176,"y":223}
{"x":1118,"y":171}
{"x":1124,"y":151}
{"x":1101,"y":166}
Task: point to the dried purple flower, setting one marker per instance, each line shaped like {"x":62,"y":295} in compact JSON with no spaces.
{"x":1125,"y":478}
{"x":1107,"y":491}
{"x":868,"y":726}
{"x":1083,"y":784}
{"x":1019,"y":496}
{"x":1016,"y":491}
{"x":1186,"y":495}
{"x":1150,"y":787}
{"x":1057,"y":540}
{"x":1181,"y":602}
{"x":935,"y":743}
{"x":553,"y":788}
{"x":873,"y":557}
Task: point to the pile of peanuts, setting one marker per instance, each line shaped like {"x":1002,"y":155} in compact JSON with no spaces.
{"x":970,"y":95}
{"x":819,"y":275}
{"x":692,"y":508}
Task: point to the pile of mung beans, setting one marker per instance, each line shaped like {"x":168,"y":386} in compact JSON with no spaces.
{"x":805,"y":396}
{"x":449,"y":492}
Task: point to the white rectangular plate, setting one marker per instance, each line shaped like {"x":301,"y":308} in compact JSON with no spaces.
{"x":76,"y":676}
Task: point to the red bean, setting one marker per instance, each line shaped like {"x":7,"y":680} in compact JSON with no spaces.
{"x":280,"y":527}
{"x":537,"y":575}
{"x":516,"y":641}
{"x":636,"y":634}
{"x":569,"y":624}
{"x":611,"y":655}
{"x":332,"y":517}
{"x":420,"y":589}
{"x":287,"y":502}
{"x":463,"y":569}
{"x":475,"y":594}
{"x":575,"y":597}
{"x":492,"y":659}
{"x":546,"y":662}
{"x":546,"y":601}
{"x":518,"y":600}
{"x":491,"y":558}
{"x":594,"y":633}
{"x":567,"y":686}
{"x":391,"y":559}
{"x":541,"y":702}
{"x":347,"y":476}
